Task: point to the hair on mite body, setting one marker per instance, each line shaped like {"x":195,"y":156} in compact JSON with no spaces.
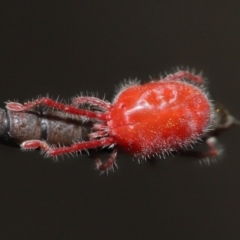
{"x":157,"y":118}
{"x":126,"y":83}
{"x":181,"y":145}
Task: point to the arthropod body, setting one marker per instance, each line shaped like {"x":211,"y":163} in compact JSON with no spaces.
{"x":159,"y":117}
{"x":52,"y":126}
{"x":155,"y":118}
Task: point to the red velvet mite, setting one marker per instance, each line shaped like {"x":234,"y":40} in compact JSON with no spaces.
{"x":155,"y":118}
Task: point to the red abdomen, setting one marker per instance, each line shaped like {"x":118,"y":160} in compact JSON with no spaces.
{"x":159,"y":117}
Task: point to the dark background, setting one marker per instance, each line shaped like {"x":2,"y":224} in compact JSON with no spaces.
{"x":67,"y":47}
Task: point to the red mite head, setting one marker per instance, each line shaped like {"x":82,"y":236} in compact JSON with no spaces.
{"x":159,"y":117}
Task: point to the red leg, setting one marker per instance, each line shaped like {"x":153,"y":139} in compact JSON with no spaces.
{"x":51,"y":151}
{"x":214,"y":151}
{"x":109,"y":164}
{"x":18,"y":107}
{"x":91,"y":100}
{"x":185,"y":74}
{"x":98,"y":134}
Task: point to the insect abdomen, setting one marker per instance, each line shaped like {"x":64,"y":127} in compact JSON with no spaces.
{"x":53,"y":126}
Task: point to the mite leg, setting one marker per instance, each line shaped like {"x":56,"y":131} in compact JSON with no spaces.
{"x":109,"y":164}
{"x":185,"y":74}
{"x":18,"y":107}
{"x":214,"y":151}
{"x":91,"y":100}
{"x":53,"y":151}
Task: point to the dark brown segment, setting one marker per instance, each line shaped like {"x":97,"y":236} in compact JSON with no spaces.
{"x":53,"y":126}
{"x":4,"y":127}
{"x":24,"y":126}
{"x":64,"y":129}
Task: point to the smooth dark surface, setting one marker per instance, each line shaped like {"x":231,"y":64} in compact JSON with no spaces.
{"x":64,"y":48}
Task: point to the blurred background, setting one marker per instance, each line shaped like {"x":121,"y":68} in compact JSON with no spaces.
{"x":64,"y":48}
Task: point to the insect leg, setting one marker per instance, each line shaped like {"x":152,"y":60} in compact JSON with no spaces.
{"x":91,"y":100}
{"x":109,"y":164}
{"x":185,"y":74}
{"x":214,"y":151}
{"x":54,"y":151}
{"x":18,"y":107}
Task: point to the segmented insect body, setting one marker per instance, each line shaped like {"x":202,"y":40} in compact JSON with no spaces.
{"x":52,"y":126}
{"x":156,"y":118}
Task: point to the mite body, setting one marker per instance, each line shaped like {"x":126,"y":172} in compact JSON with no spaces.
{"x":156,"y":118}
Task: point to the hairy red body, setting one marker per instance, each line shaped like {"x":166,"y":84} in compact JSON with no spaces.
{"x":159,"y":117}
